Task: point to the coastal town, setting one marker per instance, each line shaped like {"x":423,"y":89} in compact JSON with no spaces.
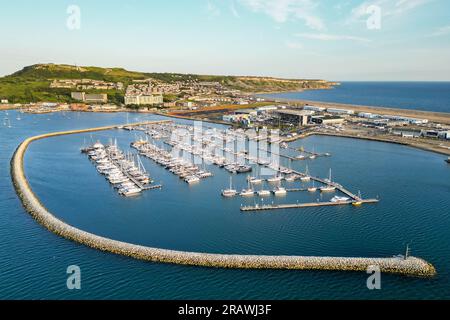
{"x":212,"y":101}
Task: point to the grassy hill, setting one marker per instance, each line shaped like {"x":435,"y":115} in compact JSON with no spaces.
{"x":32,"y":83}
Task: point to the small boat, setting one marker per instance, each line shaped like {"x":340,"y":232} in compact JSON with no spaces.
{"x":313,"y":188}
{"x":255,"y":180}
{"x":247,"y":193}
{"x":263,"y":193}
{"x":129,"y":192}
{"x":284,"y":145}
{"x":192,"y":179}
{"x":448,"y":160}
{"x":337,"y":199}
{"x":300,"y":157}
{"x":228,"y":193}
{"x":291,"y":177}
{"x":306,"y":177}
{"x":275,"y":179}
{"x":244,"y":169}
{"x":280,"y":191}
{"x":328,"y":188}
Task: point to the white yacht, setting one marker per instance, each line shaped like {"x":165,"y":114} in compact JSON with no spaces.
{"x":291,"y":177}
{"x":339,"y":199}
{"x":192,"y":179}
{"x":313,"y":188}
{"x":275,"y":179}
{"x":329,"y":187}
{"x":280,"y":191}
{"x":255,"y":180}
{"x":247,"y":192}
{"x":228,"y":193}
{"x":263,"y":193}
{"x":129,"y":192}
{"x":306,"y":177}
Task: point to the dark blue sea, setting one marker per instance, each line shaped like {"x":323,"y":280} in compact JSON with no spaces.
{"x":427,"y":96}
{"x":413,"y":186}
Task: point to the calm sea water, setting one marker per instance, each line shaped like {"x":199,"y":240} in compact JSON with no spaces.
{"x":413,"y":185}
{"x":428,"y":96}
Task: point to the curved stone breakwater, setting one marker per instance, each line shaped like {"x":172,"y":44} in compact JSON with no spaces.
{"x":412,"y":266}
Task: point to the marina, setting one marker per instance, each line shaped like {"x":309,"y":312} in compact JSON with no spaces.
{"x":124,"y":171}
{"x":405,"y":265}
{"x":216,"y":224}
{"x":186,"y":151}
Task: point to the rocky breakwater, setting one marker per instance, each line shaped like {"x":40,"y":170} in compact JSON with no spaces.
{"x":411,"y":266}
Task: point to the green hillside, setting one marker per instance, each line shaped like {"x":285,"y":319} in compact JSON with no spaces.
{"x":32,"y":83}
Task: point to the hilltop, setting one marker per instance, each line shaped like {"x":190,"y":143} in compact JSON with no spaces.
{"x":32,"y":83}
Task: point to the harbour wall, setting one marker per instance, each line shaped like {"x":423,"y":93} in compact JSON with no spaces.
{"x":411,"y":267}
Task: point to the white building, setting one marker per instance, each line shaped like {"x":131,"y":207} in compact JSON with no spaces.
{"x":267,"y":108}
{"x":143,"y":99}
{"x":4,"y":101}
{"x":340,"y":111}
{"x":314,"y":108}
{"x":368,"y":115}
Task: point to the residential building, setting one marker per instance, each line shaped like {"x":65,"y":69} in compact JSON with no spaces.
{"x":90,"y":98}
{"x":144,"y":99}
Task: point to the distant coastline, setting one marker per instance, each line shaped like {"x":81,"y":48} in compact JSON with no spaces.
{"x":443,"y":117}
{"x":426,"y":96}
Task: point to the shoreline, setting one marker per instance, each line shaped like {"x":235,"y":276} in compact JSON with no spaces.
{"x":445,"y":152}
{"x":408,"y":267}
{"x":349,"y":136}
{"x":434,"y":116}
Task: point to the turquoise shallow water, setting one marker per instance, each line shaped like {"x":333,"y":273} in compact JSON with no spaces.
{"x":413,"y":185}
{"x":427,"y":96}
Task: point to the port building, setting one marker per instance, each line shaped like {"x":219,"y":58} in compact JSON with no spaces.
{"x":144,"y":99}
{"x":314,"y":108}
{"x":295,"y":117}
{"x":327,"y":120}
{"x":341,"y":111}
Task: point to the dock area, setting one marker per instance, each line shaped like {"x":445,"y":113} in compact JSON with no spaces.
{"x":302,"y":205}
{"x":310,"y":153}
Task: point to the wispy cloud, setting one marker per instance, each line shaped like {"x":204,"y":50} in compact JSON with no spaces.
{"x":443,"y":31}
{"x":389,"y":8}
{"x":283,"y":10}
{"x":212,"y":9}
{"x":234,"y":10}
{"x":330,"y":37}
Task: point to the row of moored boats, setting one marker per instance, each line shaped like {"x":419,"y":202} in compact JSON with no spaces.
{"x":125,"y":172}
{"x":183,"y":168}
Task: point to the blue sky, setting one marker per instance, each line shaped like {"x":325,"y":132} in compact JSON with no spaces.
{"x":286,"y":38}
